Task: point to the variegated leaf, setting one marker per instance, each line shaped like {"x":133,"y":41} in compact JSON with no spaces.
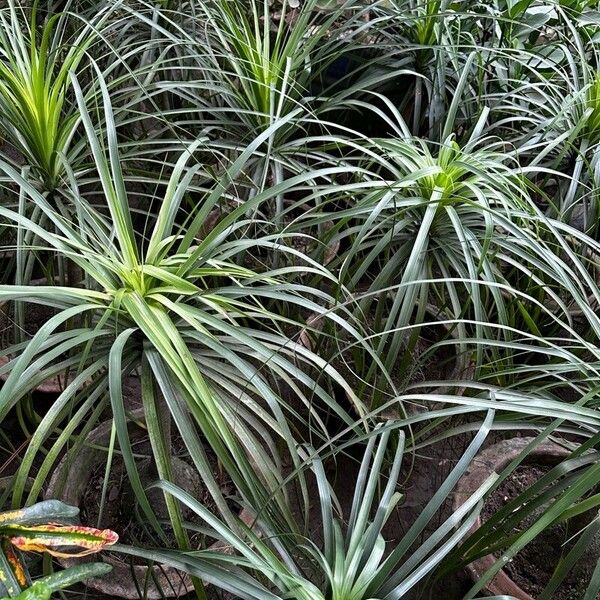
{"x":16,"y":565}
{"x":48,"y":511}
{"x":60,"y":540}
{"x":38,"y":591}
{"x":13,"y":574}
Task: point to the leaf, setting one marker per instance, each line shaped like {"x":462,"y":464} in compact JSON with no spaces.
{"x":517,"y":7}
{"x":67,"y":577}
{"x":42,"y":512}
{"x":13,"y":575}
{"x":38,"y":591}
{"x":60,"y":540}
{"x":589,"y":17}
{"x":43,"y":587}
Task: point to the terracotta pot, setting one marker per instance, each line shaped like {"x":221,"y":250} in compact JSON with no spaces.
{"x":495,"y":459}
{"x":68,"y":483}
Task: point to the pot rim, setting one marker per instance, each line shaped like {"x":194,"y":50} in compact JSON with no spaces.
{"x":494,"y":459}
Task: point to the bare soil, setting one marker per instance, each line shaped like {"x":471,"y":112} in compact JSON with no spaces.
{"x":121,"y":513}
{"x":35,"y":315}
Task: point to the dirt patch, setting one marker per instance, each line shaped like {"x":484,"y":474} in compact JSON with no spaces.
{"x":121,"y":513}
{"x":34,"y":316}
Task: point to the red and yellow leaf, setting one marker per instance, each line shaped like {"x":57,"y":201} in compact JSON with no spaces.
{"x":60,"y":540}
{"x":16,"y":565}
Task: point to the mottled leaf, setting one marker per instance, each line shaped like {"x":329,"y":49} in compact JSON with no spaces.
{"x":48,"y":511}
{"x":38,"y":591}
{"x":60,"y":540}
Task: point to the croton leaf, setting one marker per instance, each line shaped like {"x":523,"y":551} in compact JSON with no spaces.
{"x":67,"y":577}
{"x":59,"y":540}
{"x":38,"y":591}
{"x":48,"y":511}
{"x":13,"y":575}
{"x":43,"y":588}
{"x":16,"y":565}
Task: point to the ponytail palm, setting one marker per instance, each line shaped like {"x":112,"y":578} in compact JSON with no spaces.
{"x":248,"y":69}
{"x":193,"y":323}
{"x":433,"y":40}
{"x":352,"y":562}
{"x":37,"y":113}
{"x":548,"y":108}
{"x":261,"y":65}
{"x":454,"y":227}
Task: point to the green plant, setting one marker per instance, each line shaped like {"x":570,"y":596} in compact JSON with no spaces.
{"x":454,"y":227}
{"x":197,"y":327}
{"x":543,"y":102}
{"x":256,"y":69}
{"x":46,"y":527}
{"x":141,"y":125}
{"x":429,"y":44}
{"x":37,"y":113}
{"x":352,"y":563}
